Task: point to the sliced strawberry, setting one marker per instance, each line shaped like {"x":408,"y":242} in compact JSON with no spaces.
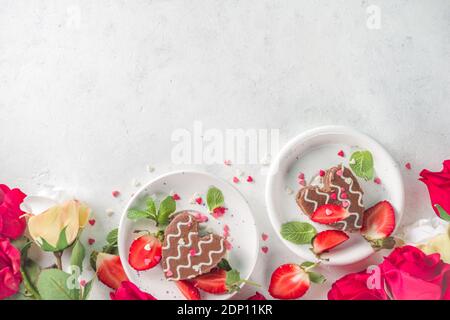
{"x":188,"y":290}
{"x":289,"y":281}
{"x":145,"y":252}
{"x":329,"y":213}
{"x":213,"y":282}
{"x":327,"y":240}
{"x":379,"y":221}
{"x":110,"y":270}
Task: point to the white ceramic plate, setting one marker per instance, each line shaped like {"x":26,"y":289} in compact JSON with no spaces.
{"x":317,"y":149}
{"x":239,"y":218}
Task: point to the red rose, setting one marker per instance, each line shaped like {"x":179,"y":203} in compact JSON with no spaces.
{"x":438,"y":184}
{"x":129,"y":291}
{"x":12,"y":225}
{"x":10,"y":277}
{"x":257,"y":296}
{"x":355,"y":286}
{"x":410,"y":274}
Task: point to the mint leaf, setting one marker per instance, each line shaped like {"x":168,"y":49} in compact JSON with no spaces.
{"x":442,"y":213}
{"x":111,"y":238}
{"x":214,"y":198}
{"x":315,"y":277}
{"x":298,"y":232}
{"x":166,"y":208}
{"x":361,"y":162}
{"x":77,"y":257}
{"x":136,"y":214}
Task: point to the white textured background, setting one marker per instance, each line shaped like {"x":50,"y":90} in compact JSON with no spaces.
{"x":90,"y":91}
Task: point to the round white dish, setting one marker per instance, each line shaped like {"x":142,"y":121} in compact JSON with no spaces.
{"x":239,"y":218}
{"x":318,"y":149}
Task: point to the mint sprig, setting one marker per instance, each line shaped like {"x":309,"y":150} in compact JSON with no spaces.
{"x":214,"y":198}
{"x":160,"y":216}
{"x":361,"y":163}
{"x":298,"y":232}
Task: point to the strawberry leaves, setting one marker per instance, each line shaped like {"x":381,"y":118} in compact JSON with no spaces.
{"x":160,"y":216}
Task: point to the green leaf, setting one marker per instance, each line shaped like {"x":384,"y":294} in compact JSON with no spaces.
{"x":111,"y":238}
{"x":136,"y":214}
{"x":214,"y":198}
{"x":93,"y":259}
{"x":60,"y":245}
{"x":22,"y":244}
{"x":316,"y":277}
{"x":53,"y":285}
{"x":77,"y":257}
{"x":307,"y":264}
{"x":87,"y":289}
{"x":30,"y":271}
{"x":166,"y":208}
{"x":298,"y":232}
{"x":151,"y":207}
{"x":361,"y":162}
{"x":224,"y":265}
{"x":442,"y":213}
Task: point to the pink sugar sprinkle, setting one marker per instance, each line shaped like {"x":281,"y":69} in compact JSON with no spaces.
{"x":345,"y":204}
{"x":342,"y":189}
{"x":227,"y":162}
{"x":302,"y":182}
{"x":333,"y":196}
{"x":115,"y":193}
{"x":264,"y":249}
{"x":377,"y":180}
{"x":408,"y":166}
{"x":200,"y":217}
{"x":341,"y":153}
{"x":339,"y":172}
{"x":226,"y":231}
{"x":91,"y":241}
{"x":301,"y":176}
{"x":228,"y":245}
{"x":235,"y":179}
{"x":192,"y":252}
{"x":249,"y":179}
{"x":218,"y":212}
{"x":176,"y":197}
{"x":199,"y":200}
{"x":321,"y":173}
{"x":264,"y":236}
{"x":169,"y":273}
{"x":344,"y":195}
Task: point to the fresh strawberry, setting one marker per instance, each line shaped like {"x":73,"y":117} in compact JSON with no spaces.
{"x":329,"y":213}
{"x":378,"y":224}
{"x":289,"y":281}
{"x":213,"y":282}
{"x":188,"y":290}
{"x":327,"y":240}
{"x":110,"y":270}
{"x":145,"y":252}
{"x":257,"y":296}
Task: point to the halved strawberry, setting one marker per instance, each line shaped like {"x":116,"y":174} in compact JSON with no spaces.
{"x":289,"y":281}
{"x":378,"y":224}
{"x":110,"y":270}
{"x":188,"y":290}
{"x":213,"y":282}
{"x":327,"y":240}
{"x":145,"y":252}
{"x":329,"y":213}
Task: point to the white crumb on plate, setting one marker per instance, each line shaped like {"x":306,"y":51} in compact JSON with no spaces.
{"x":289,"y":190}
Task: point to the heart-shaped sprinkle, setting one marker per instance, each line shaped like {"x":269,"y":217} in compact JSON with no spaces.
{"x":328,"y":212}
{"x":264,"y":237}
{"x":265,"y":249}
{"x":92,"y":222}
{"x":147,"y":247}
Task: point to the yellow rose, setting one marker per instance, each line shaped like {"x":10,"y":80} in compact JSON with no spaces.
{"x":58,"y":227}
{"x":439,"y":244}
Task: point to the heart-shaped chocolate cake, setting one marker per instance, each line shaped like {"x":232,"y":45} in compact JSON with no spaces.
{"x":340,"y":187}
{"x":185,"y":254}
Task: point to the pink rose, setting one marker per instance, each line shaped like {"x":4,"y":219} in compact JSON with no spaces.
{"x":10,"y":277}
{"x":438,"y":184}
{"x":129,"y":291}
{"x":12,"y":225}
{"x":410,"y":274}
{"x":355,"y":286}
